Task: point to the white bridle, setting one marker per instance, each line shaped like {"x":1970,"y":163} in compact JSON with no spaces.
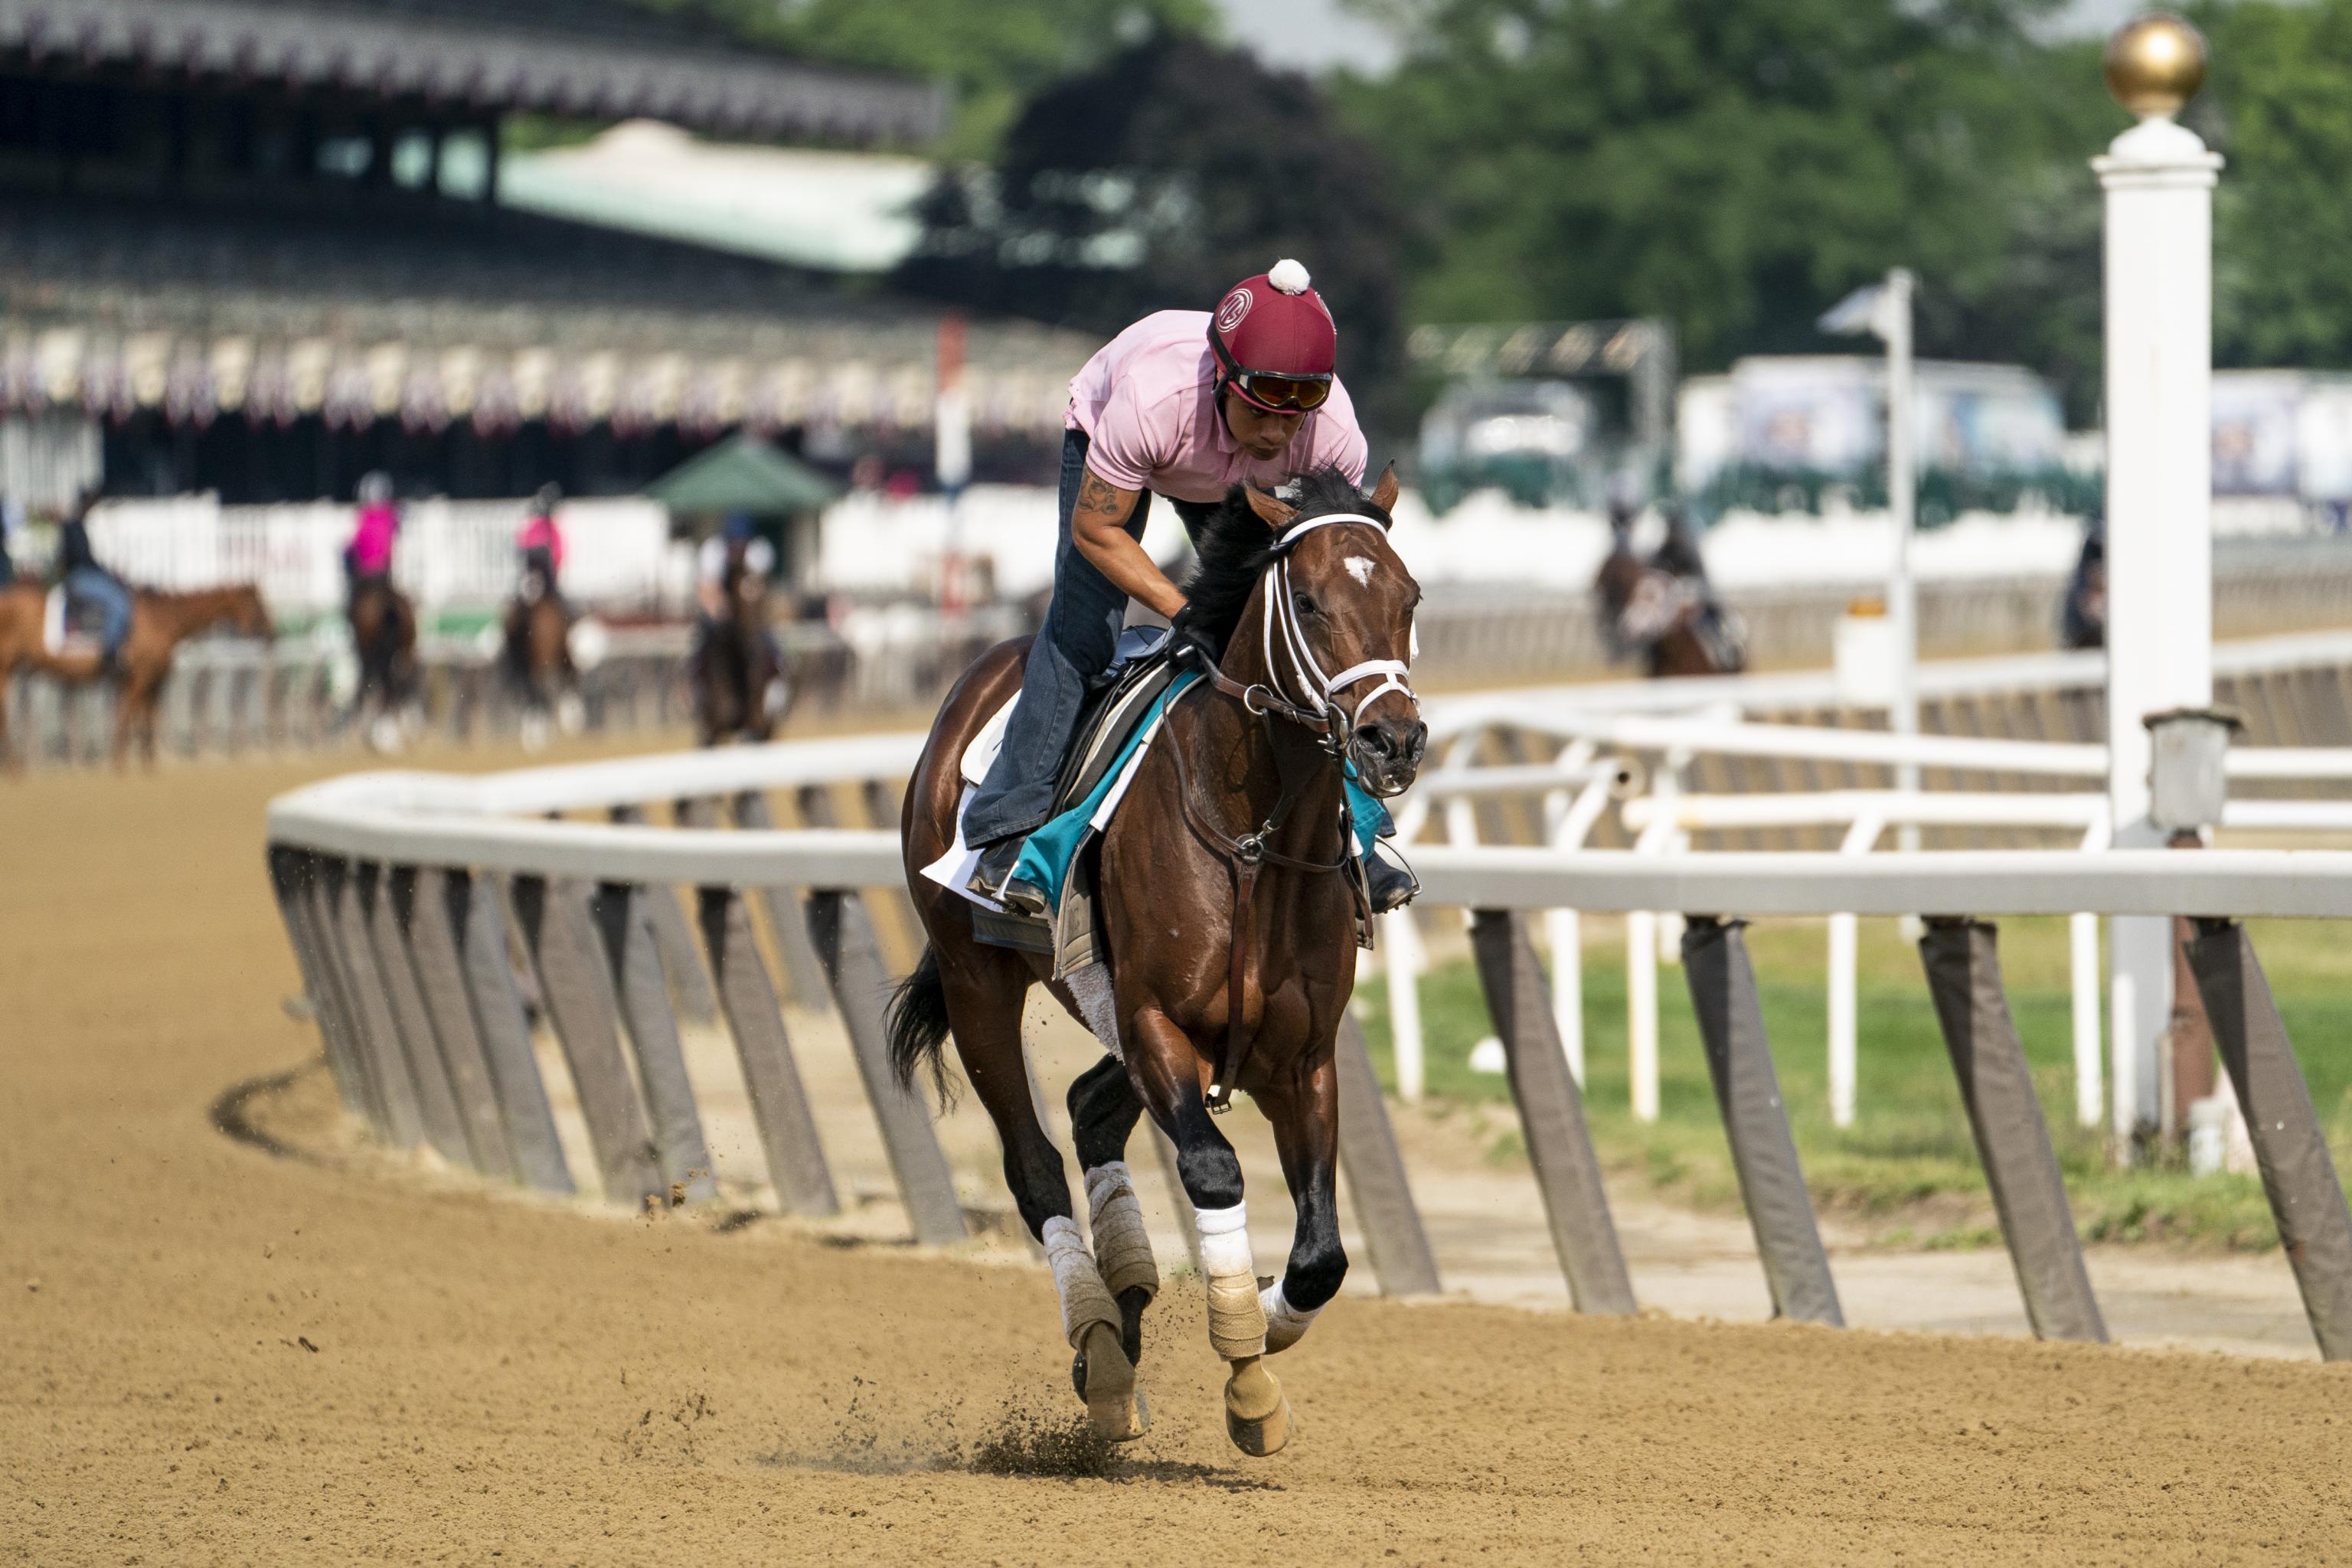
{"x":1320,"y":690}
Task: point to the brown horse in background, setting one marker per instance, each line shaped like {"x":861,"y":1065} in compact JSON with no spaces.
{"x":384,"y":636}
{"x":160,"y":622}
{"x":1662,"y":609}
{"x":737,"y":684}
{"x":1230,"y":907}
{"x":538,"y":655}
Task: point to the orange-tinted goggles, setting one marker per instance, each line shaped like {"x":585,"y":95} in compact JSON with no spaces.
{"x":1283,"y":394}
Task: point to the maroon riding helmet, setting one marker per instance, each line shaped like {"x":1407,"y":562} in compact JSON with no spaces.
{"x":1275,"y":340}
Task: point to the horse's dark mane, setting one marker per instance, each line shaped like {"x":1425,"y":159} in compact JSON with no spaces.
{"x":1234,"y":545}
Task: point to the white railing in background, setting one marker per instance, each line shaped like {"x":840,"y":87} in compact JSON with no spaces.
{"x":487,"y":823}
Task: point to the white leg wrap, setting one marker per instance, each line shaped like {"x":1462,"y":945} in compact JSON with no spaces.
{"x":1086,"y":1300}
{"x":1122,"y":1247}
{"x":1285,"y":1325}
{"x":1236,"y":1320}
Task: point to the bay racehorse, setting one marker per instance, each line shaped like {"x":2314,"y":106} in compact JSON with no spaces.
{"x":1662,"y":609}
{"x":1230,"y":908}
{"x":538,"y":662}
{"x":737,"y":684}
{"x":160,"y":622}
{"x":384,"y":636}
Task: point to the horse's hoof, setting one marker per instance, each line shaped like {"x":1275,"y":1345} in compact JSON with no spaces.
{"x":1105,"y":1379}
{"x":1257,"y":1413}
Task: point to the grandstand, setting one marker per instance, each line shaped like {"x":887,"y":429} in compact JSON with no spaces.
{"x":259,"y":246}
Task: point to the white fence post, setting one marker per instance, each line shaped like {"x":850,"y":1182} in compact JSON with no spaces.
{"x":1642,"y":982}
{"x":1844,"y":998}
{"x":2083,"y":957}
{"x":1564,"y":927}
{"x":1404,"y":964}
{"x":2158,"y":180}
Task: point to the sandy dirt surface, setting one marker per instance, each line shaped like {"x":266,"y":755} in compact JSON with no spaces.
{"x":210,"y":1354}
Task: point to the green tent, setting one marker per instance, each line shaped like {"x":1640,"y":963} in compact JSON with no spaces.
{"x":742,"y":474}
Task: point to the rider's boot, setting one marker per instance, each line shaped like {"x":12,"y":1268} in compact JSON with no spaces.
{"x":1392,"y":887}
{"x":994,"y":876}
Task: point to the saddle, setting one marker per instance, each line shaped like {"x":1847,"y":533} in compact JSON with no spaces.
{"x":1112,"y":713}
{"x":70,"y":625}
{"x":1126,"y":699}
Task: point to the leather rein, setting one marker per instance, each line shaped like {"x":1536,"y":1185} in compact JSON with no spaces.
{"x":1246,"y":856}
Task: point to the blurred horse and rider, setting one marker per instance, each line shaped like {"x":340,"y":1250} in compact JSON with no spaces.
{"x":1659,"y":609}
{"x":735,"y":670}
{"x":383,"y":618}
{"x":536,"y":652}
{"x":90,"y":626}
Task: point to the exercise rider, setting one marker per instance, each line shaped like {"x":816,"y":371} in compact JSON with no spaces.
{"x":1182,"y":404}
{"x":87,"y":582}
{"x":538,"y":545}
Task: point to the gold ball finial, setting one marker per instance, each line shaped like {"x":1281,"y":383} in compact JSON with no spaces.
{"x":2156,"y":63}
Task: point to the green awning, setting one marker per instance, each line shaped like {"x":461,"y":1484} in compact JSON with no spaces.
{"x":742,"y":474}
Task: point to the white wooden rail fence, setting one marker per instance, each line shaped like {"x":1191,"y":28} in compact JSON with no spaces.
{"x":398,"y":888}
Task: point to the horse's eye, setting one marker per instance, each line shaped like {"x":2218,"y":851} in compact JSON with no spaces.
{"x":1303,"y":603}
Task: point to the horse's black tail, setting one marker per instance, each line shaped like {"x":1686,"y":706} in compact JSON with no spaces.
{"x":917,"y":1025}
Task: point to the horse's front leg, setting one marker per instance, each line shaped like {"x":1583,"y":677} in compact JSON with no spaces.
{"x":1305,"y":1118}
{"x":1167,"y":1071}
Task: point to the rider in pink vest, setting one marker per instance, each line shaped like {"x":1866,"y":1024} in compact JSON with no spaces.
{"x":1182,"y":404}
{"x":369,"y":553}
{"x":540,"y":543}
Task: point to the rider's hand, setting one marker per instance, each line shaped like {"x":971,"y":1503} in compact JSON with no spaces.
{"x":1186,"y":628}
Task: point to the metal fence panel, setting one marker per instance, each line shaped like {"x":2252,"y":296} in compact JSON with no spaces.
{"x":2290,"y":1147}
{"x":779,"y":1104}
{"x":1963,"y":962}
{"x":1748,"y":1091}
{"x":842,"y":933}
{"x":1552,"y":1110}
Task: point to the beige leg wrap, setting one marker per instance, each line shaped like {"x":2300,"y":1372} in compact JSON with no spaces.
{"x":1122,"y":1247}
{"x":1236,"y":1319}
{"x":1086,"y":1300}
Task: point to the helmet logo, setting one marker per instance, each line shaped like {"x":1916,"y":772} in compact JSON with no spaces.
{"x":1236,"y":306}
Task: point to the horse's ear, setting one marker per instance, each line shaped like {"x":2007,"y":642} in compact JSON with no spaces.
{"x":1271,"y":509}
{"x":1384,"y":494}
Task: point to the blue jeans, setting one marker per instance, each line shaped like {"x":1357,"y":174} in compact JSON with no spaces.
{"x":92,"y":585}
{"x":1073,"y":648}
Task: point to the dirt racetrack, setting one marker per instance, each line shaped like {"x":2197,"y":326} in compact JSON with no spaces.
{"x":208,"y":1354}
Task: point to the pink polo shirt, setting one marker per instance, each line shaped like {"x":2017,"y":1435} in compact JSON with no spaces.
{"x":1148,"y":402}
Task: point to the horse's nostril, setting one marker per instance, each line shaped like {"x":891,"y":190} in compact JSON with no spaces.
{"x":1375,"y":738}
{"x":1416,"y":740}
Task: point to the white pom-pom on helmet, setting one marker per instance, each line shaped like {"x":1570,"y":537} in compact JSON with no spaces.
{"x":1290,"y":277}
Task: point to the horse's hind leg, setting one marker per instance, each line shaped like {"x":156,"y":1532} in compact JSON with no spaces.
{"x":1257,"y":1417}
{"x":984,"y":989}
{"x":1103,"y":1113}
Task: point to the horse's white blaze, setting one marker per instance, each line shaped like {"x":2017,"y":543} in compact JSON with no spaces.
{"x":1359,"y":567}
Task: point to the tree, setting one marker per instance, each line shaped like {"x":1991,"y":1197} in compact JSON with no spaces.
{"x":993,"y":55}
{"x":1734,"y":166}
{"x":1157,"y":181}
{"x":2280,"y":110}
